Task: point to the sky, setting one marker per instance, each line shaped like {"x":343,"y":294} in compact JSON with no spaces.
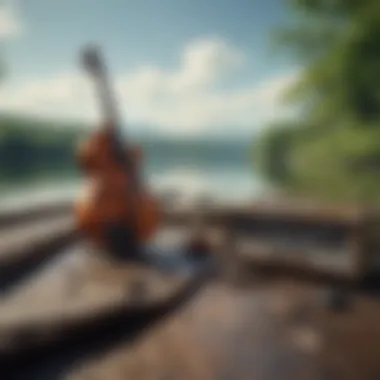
{"x":179,"y":67}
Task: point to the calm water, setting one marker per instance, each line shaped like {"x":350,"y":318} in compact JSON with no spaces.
{"x":222,"y":170}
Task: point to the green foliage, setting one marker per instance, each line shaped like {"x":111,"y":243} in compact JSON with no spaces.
{"x":342,"y":77}
{"x":28,"y":147}
{"x":339,"y":95}
{"x":272,"y":151}
{"x":323,"y":166}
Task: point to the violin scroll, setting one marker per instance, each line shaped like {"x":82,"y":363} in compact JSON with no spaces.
{"x":92,"y":59}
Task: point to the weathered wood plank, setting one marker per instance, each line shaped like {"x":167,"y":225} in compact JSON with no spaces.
{"x":14,"y":241}
{"x":306,"y":211}
{"x":311,"y":229}
{"x":223,"y":333}
{"x":82,"y":282}
{"x":348,"y":215}
{"x":261,"y":330}
{"x":90,"y":320}
{"x":13,"y":217}
{"x":25,"y":248}
{"x":267,"y":331}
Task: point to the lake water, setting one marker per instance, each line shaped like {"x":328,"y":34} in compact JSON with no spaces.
{"x":223,"y":171}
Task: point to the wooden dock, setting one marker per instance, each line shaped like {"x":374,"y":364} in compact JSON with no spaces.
{"x":28,"y":245}
{"x":317,"y":237}
{"x":81,"y":316}
{"x":264,"y":331}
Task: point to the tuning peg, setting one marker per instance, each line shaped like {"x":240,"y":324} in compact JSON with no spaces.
{"x":91,"y":58}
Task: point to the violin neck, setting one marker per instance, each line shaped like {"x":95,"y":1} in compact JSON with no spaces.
{"x":95,"y":65}
{"x":111,"y":119}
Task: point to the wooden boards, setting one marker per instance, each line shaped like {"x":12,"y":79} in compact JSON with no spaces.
{"x":82,"y":287}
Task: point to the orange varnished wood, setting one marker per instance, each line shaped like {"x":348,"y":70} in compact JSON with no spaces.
{"x":111,"y":192}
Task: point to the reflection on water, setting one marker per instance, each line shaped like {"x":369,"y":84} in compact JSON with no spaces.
{"x":23,"y":196}
{"x":219,"y":184}
{"x":216,"y":182}
{"x":222,"y":171}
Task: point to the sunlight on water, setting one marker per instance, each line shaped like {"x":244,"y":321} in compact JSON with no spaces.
{"x":219,"y":184}
{"x":24,"y":196}
{"x":218,"y":171}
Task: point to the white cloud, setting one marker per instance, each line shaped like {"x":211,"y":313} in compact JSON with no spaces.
{"x":187,"y":100}
{"x":203,"y":61}
{"x":10,"y":23}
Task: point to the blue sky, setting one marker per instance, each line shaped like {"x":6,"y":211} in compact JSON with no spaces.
{"x":184,"y":67}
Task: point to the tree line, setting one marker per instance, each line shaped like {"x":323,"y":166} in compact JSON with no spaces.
{"x":338,"y":100}
{"x":30,"y":147}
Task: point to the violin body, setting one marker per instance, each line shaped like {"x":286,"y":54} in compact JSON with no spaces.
{"x":108,"y":197}
{"x":113,"y":209}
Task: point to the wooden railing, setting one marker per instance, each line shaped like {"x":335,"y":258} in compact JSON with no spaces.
{"x":341,"y":240}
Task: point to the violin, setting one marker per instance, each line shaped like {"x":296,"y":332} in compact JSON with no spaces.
{"x":114,"y":209}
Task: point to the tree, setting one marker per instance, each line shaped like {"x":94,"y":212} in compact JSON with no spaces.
{"x":338,"y":92}
{"x":338,"y":41}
